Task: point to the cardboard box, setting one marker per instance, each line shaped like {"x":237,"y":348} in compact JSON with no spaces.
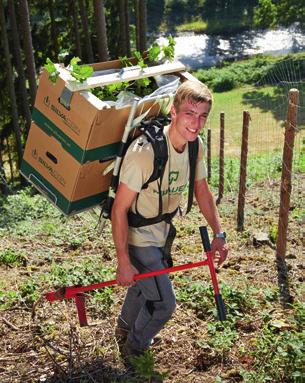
{"x":88,"y":128}
{"x":74,"y":134}
{"x":71,"y":186}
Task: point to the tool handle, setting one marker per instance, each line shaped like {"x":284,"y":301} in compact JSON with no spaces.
{"x":220,"y":307}
{"x":71,"y":291}
{"x":205,"y":238}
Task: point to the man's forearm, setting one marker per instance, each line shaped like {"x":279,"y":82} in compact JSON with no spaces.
{"x":120,"y":235}
{"x":207,"y":206}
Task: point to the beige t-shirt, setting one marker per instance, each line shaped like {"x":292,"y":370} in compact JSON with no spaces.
{"x":136,"y":169}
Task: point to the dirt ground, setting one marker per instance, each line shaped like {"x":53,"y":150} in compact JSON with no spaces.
{"x":52,"y":347}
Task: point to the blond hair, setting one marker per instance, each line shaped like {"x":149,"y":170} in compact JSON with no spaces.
{"x":194,"y":91}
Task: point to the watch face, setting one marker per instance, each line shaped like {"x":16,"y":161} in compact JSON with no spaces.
{"x":220,"y":235}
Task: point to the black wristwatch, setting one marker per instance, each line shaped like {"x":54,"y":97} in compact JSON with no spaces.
{"x":222,"y":234}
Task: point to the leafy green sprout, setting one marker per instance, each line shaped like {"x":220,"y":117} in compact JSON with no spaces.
{"x":51,"y":69}
{"x":10,"y":257}
{"x":144,"y":367}
{"x":80,"y":72}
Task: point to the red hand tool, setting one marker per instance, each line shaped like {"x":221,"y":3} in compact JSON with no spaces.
{"x":77,"y":292}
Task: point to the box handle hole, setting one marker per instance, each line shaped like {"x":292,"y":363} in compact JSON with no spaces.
{"x":51,"y":157}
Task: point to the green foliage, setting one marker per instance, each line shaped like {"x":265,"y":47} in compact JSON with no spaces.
{"x":222,"y":336}
{"x":84,"y":273}
{"x":8,"y":299}
{"x":258,"y":166}
{"x":11,"y":257}
{"x":110,"y":92}
{"x":26,"y":293}
{"x":200,"y":296}
{"x":140,"y":87}
{"x":169,"y":50}
{"x":232,"y":75}
{"x":196,"y":294}
{"x":271,"y":13}
{"x":22,"y":206}
{"x":273,"y":233}
{"x":144,"y":367}
{"x":80,"y":72}
{"x":29,"y":291}
{"x":279,"y":350}
{"x":265,"y":14}
{"x":278,"y":357}
{"x":51,"y":69}
{"x":102,"y":300}
{"x":154,"y":52}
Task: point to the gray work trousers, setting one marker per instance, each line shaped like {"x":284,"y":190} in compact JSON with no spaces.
{"x":151,"y":302}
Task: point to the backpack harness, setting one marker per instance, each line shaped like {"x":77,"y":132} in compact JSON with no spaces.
{"x":153,"y":131}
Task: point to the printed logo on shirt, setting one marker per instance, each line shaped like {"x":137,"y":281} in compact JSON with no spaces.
{"x":173,"y":176}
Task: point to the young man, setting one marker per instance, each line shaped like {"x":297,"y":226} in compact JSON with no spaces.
{"x":150,"y":302}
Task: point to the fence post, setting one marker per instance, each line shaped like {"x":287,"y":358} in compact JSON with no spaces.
{"x":209,"y":154}
{"x":221,"y":158}
{"x":243,"y":172}
{"x":290,"y":129}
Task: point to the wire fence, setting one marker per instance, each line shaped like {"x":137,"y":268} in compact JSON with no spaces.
{"x":264,"y":137}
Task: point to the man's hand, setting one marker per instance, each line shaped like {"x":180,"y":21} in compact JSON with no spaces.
{"x":125,"y":274}
{"x":220,"y":250}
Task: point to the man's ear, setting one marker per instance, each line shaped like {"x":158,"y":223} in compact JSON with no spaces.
{"x":173,"y":111}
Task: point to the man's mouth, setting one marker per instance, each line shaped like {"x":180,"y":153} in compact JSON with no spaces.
{"x":193,"y":131}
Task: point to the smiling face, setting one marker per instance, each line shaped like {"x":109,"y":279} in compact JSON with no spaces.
{"x":187,"y":121}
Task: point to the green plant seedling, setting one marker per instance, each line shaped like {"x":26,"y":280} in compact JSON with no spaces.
{"x":144,"y":367}
{"x":80,"y":72}
{"x":51,"y":69}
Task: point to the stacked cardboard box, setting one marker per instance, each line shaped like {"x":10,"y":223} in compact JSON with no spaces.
{"x":74,"y":136}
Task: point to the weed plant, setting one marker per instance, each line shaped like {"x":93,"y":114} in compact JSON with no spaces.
{"x":26,"y":205}
{"x":11,"y":257}
{"x":278,"y":351}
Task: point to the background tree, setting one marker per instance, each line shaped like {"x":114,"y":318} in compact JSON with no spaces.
{"x":124,"y":27}
{"x":141,"y":24}
{"x":24,"y":19}
{"x":3,"y":181}
{"x":265,"y":14}
{"x":75,"y":28}
{"x":85,"y":25}
{"x":19,"y":63}
{"x":100,"y":24}
{"x":270,"y":13}
{"x":10,"y":83}
{"x":53,"y":29}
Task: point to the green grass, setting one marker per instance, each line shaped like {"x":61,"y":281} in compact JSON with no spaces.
{"x":267,"y":111}
{"x":197,"y":26}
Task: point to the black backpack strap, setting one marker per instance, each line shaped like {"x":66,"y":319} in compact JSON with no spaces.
{"x":160,"y":149}
{"x":193,"y":154}
{"x":153,"y":130}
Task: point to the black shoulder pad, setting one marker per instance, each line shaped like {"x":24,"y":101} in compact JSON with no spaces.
{"x":153,"y":129}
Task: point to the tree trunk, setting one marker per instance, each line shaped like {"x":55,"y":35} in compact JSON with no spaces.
{"x":124,"y":27}
{"x":19,"y":63}
{"x":28,"y":46}
{"x":10,"y":160}
{"x":53,"y":30}
{"x":141,"y":24}
{"x":10,"y":80}
{"x":100,"y":24}
{"x":83,"y":15}
{"x":3,"y":183}
{"x":74,"y":12}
